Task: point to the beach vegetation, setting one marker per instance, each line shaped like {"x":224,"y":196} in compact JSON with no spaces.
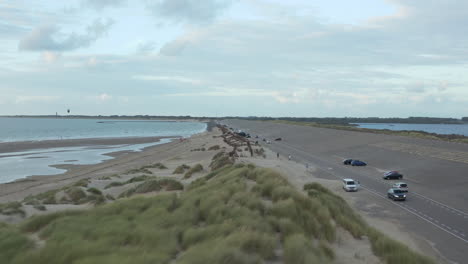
{"x":48,"y":197}
{"x":131,"y":180}
{"x":154,"y":186}
{"x":215,"y":147}
{"x":139,"y":178}
{"x":199,"y":149}
{"x":37,"y":222}
{"x":12,"y":243}
{"x":196,"y":168}
{"x":109,"y":177}
{"x":139,"y":170}
{"x":220,"y":160}
{"x":158,"y":165}
{"x":181,"y":169}
{"x":81,"y":183}
{"x":114,"y":184}
{"x":235,"y":214}
{"x":76,"y":195}
{"x":40,"y":207}
{"x":94,"y":191}
{"x":12,"y":208}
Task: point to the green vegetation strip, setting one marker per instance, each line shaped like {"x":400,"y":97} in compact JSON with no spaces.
{"x":235,"y":214}
{"x":408,"y":133}
{"x":194,"y":169}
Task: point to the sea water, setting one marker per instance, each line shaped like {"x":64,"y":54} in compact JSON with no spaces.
{"x":18,"y":165}
{"x":26,"y":129}
{"x":460,"y":129}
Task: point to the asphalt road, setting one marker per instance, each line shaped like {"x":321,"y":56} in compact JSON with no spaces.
{"x":436,"y":208}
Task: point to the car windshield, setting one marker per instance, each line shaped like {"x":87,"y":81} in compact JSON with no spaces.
{"x":403,"y":185}
{"x":398,"y":191}
{"x":350,"y":183}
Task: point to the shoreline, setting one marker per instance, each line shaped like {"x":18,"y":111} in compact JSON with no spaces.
{"x":19,"y":189}
{"x":18,"y":146}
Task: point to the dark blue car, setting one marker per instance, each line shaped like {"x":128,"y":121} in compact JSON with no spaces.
{"x":358,"y":163}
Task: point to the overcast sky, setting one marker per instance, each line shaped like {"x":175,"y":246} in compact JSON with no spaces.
{"x":388,"y":58}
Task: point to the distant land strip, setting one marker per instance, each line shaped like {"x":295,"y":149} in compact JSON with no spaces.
{"x":408,"y":133}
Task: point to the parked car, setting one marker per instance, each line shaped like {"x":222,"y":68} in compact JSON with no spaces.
{"x":358,"y":163}
{"x":278,"y":139}
{"x":401,"y":185}
{"x":350,"y":185}
{"x":347,"y":161}
{"x":396,"y":194}
{"x":392,"y":175}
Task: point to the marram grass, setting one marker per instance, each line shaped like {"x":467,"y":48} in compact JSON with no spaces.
{"x":235,"y":214}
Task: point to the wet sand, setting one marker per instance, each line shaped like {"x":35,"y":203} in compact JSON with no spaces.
{"x":6,"y":147}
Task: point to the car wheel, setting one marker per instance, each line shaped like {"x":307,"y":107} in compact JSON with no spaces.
{"x":401,"y":177}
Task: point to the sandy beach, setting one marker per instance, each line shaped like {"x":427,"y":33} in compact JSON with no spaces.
{"x":6,"y":147}
{"x":191,"y":151}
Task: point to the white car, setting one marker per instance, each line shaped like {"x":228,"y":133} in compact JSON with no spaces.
{"x":401,"y":185}
{"x":350,"y":185}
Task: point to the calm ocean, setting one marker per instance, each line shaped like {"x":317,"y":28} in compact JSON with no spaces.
{"x":431,"y":128}
{"x":21,"y":164}
{"x":25,"y":129}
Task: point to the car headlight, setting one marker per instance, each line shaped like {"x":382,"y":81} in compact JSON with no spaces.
{"x":404,"y":195}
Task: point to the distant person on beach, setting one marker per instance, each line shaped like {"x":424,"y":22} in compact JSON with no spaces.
{"x":277,"y":155}
{"x":289,"y":157}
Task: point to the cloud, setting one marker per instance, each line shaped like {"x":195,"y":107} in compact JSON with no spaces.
{"x":146,"y":47}
{"x":49,"y":37}
{"x":188,"y":11}
{"x":102,"y":4}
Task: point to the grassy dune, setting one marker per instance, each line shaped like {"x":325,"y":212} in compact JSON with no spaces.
{"x":235,"y":214}
{"x":408,"y":133}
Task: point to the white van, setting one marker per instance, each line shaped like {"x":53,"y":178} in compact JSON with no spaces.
{"x":350,"y":185}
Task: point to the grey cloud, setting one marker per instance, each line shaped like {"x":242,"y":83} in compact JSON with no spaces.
{"x":146,"y":47}
{"x":190,"y":11}
{"x":174,"y":48}
{"x":49,"y":37}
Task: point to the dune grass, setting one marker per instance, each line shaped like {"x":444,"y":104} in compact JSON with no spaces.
{"x":82,"y":183}
{"x":143,"y":169}
{"x":154,"y":186}
{"x":12,"y":208}
{"x":45,"y":198}
{"x":158,"y":165}
{"x":194,"y":169}
{"x":214,"y":147}
{"x":131,"y":180}
{"x":12,"y":243}
{"x":220,"y":160}
{"x":235,"y":214}
{"x":181,"y":169}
